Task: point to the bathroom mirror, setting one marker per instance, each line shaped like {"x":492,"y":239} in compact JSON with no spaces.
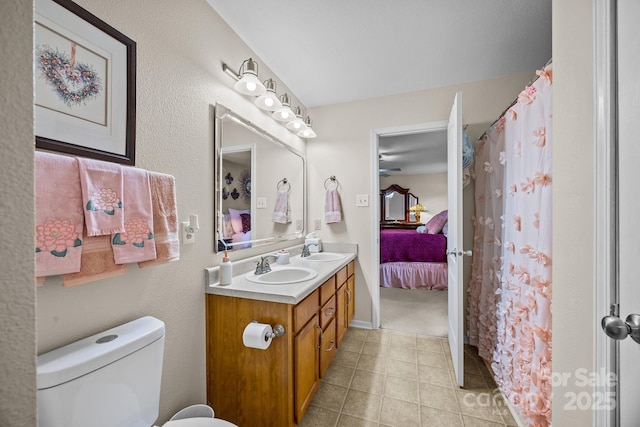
{"x":256,"y":176}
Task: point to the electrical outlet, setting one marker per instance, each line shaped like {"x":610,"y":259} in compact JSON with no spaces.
{"x":298,"y":225}
{"x":261,"y":203}
{"x":362,"y":200}
{"x":317,"y":224}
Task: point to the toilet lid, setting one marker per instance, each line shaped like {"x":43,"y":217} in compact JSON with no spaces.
{"x":199,"y":422}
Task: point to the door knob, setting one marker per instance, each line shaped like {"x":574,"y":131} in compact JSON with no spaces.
{"x":618,"y":329}
{"x":465,"y":253}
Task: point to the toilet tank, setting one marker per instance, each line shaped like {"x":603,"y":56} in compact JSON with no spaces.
{"x":106,"y":380}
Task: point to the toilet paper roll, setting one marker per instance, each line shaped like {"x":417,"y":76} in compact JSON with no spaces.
{"x":257,"y":335}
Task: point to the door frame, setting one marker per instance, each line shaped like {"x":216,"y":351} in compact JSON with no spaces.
{"x":605,"y":189}
{"x":375,"y":201}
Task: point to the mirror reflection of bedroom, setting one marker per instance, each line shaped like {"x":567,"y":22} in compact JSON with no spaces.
{"x":413,"y":230}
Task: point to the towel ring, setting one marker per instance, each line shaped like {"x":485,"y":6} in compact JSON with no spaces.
{"x":282,"y":183}
{"x":333,"y":179}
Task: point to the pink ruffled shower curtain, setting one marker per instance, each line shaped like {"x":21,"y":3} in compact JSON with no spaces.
{"x":510,"y":288}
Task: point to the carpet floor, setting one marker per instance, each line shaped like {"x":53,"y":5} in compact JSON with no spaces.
{"x":416,"y":311}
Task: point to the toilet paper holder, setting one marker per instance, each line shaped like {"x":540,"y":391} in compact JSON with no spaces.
{"x":278,"y":331}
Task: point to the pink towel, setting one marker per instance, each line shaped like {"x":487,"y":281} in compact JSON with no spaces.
{"x":58,"y":215}
{"x":332,"y":207}
{"x":135,"y":243}
{"x":282,"y":209}
{"x":97,"y":262}
{"x":165,"y":219}
{"x":101,"y":196}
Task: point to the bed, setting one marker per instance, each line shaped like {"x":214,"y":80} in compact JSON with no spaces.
{"x":413,"y":260}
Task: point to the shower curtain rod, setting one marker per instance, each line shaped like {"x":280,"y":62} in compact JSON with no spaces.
{"x":516,"y":100}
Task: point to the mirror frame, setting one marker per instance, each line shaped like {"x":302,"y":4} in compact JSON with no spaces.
{"x":222,"y":112}
{"x":407,"y":196}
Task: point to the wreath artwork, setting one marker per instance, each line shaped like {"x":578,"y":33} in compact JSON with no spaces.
{"x":245,"y":184}
{"x":74,"y":83}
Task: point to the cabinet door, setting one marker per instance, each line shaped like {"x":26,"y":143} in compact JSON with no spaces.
{"x":351,"y":299}
{"x":327,"y":346}
{"x":342,"y":313}
{"x":305,"y":366}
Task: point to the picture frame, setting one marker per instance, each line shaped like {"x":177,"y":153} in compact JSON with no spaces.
{"x":85,"y":84}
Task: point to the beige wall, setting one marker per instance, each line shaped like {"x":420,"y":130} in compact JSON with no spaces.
{"x":17,"y":290}
{"x":344,"y":148}
{"x":180,"y":49}
{"x":573,"y":202}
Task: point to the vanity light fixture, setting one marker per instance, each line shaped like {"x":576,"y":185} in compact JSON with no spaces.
{"x":249,"y":84}
{"x":297,"y":124}
{"x":307,"y":133}
{"x":269,"y":100}
{"x":284,"y":114}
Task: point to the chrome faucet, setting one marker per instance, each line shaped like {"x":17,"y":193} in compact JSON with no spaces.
{"x":305,"y":250}
{"x":263,"y":265}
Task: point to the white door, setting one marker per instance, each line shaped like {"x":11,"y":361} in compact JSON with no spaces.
{"x":628,"y":204}
{"x":624,"y":322}
{"x":454,"y":240}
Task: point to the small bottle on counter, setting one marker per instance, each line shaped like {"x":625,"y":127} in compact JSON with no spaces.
{"x":225,"y":273}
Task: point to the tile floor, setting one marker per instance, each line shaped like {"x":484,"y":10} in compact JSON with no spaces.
{"x":388,"y":378}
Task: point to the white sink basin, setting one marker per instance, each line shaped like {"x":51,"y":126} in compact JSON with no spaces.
{"x":323,"y":256}
{"x":282,"y":276}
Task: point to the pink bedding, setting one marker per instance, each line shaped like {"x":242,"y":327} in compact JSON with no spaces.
{"x":414,"y":275}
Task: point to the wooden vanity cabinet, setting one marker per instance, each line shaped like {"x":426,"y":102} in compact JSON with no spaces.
{"x":345,"y":299}
{"x":273,"y":387}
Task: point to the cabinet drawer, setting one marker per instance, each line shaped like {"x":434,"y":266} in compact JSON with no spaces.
{"x":341,"y":276}
{"x":327,"y":290}
{"x":351,"y":268}
{"x":328,"y":312}
{"x":305,"y":310}
{"x":328,"y":347}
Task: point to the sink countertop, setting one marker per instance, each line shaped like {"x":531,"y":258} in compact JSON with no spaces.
{"x":292,"y":293}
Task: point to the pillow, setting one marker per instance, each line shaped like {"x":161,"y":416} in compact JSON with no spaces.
{"x":246,"y":222}
{"x":435,"y":224}
{"x":421,"y":229}
{"x":445,"y":229}
{"x":236,"y":221}
{"x":227,"y":229}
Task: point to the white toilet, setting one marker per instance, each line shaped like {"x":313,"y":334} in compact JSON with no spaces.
{"x":111,"y":379}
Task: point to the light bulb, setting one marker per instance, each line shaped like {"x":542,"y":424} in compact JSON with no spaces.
{"x":296,"y":125}
{"x":284,"y":114}
{"x":268,"y":102}
{"x":251,"y":86}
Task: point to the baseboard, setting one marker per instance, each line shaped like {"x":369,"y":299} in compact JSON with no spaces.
{"x":361,"y":324}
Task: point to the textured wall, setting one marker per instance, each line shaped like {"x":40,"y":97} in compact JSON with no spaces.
{"x":573,"y":204}
{"x":17,"y":289}
{"x":181,"y":46}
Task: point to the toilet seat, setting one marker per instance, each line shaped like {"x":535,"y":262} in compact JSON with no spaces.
{"x":199,"y":422}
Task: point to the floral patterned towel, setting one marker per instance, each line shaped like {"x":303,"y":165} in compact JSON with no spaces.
{"x":135,"y":243}
{"x":58,"y":215}
{"x":101,"y":184}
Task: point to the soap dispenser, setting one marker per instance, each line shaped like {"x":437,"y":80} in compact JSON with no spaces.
{"x":225,"y":274}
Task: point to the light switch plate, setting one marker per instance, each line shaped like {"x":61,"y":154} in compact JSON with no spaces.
{"x":298,"y":225}
{"x":261,"y":202}
{"x":362,"y":200}
{"x":317,"y":224}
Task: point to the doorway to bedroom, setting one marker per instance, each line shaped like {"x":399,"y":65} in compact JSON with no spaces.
{"x":412,"y":294}
{"x":411,"y":164}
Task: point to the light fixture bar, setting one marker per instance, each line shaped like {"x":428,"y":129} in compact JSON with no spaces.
{"x":247,"y":83}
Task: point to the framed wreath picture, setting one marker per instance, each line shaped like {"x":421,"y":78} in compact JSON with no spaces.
{"x":85,"y":84}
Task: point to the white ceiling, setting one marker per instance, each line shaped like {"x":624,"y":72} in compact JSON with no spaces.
{"x":346,"y":50}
